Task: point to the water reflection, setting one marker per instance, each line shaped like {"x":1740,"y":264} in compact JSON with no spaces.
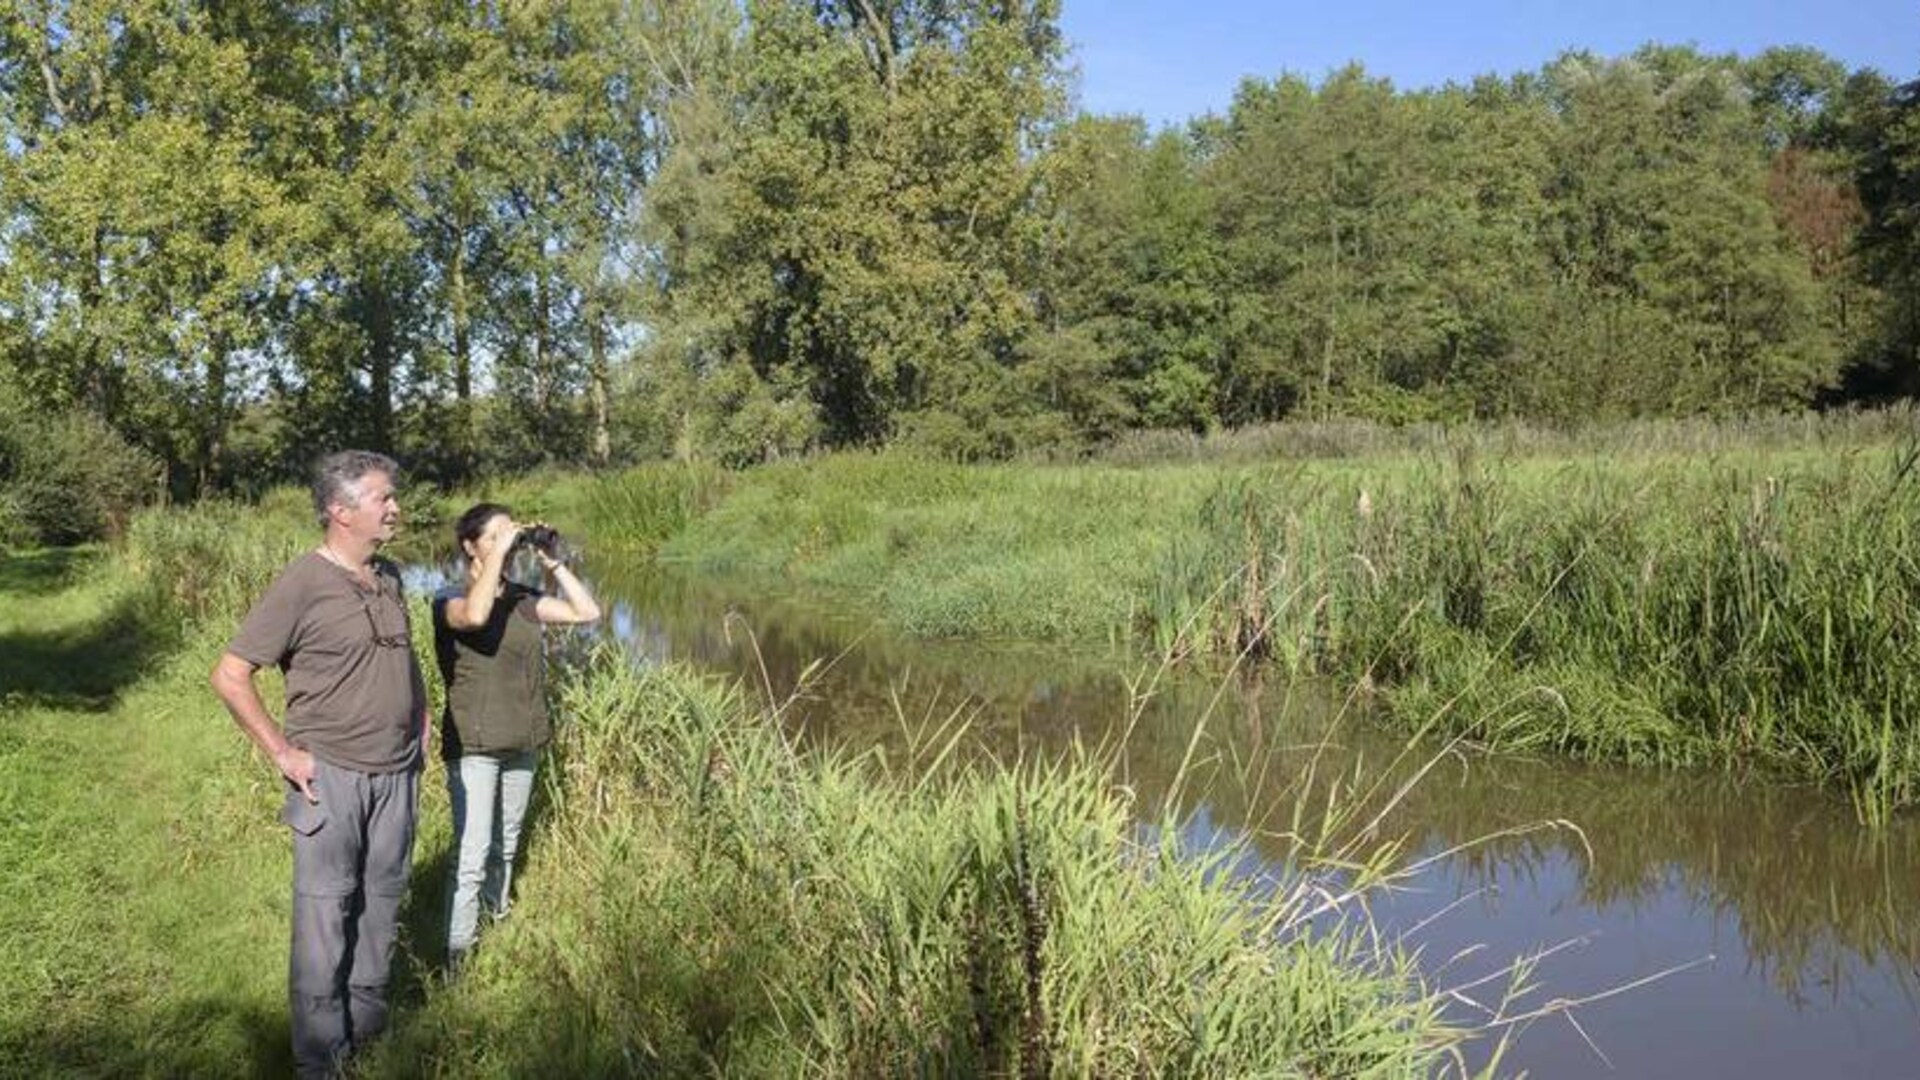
{"x":1794,"y":929}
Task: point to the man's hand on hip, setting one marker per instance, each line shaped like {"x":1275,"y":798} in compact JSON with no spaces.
{"x":297,"y":766}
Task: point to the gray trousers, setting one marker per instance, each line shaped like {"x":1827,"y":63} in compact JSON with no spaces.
{"x":352,"y":854}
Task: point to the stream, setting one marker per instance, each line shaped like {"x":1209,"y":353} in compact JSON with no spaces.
{"x":1713,"y":924}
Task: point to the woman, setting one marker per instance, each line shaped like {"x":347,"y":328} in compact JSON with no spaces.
{"x":488,"y":641}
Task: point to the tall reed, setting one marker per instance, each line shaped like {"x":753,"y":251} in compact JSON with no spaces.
{"x":705,"y":899}
{"x":211,"y":563}
{"x":642,"y":507}
{"x":1745,"y":609}
{"x":1672,"y":593}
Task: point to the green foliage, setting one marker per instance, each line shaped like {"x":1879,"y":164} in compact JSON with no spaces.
{"x":593,"y":232}
{"x":863,"y":231}
{"x":149,"y":233}
{"x":1131,"y":280}
{"x":711,"y":901}
{"x":209,"y":565}
{"x":1649,"y":612}
{"x":646,"y":505}
{"x":1884,"y":132}
{"x":1716,"y":309}
{"x":1790,"y":89}
{"x":946,"y":549}
{"x":1601,"y":595}
{"x":698,"y":897}
{"x":68,"y":478}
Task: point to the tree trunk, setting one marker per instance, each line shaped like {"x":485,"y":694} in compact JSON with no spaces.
{"x":463,"y":435}
{"x":1333,"y":316}
{"x":213,"y":419}
{"x":542,"y":345}
{"x":378,"y":324}
{"x":885,"y":58}
{"x":95,"y":386}
{"x":602,"y":450}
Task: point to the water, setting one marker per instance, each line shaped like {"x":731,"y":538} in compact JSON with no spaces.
{"x":1721,"y":925}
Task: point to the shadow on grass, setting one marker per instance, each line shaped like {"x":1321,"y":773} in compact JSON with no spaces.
{"x":221,"y":1038}
{"x":215,"y":1037}
{"x":200,"y":1037}
{"x":43,"y":573}
{"x":86,"y":666}
{"x":423,"y":944}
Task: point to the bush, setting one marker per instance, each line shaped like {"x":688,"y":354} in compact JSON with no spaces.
{"x":209,"y":564}
{"x":68,"y":478}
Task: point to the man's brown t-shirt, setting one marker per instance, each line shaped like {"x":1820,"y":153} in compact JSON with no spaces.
{"x":353,"y":684}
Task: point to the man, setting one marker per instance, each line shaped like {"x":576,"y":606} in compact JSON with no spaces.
{"x":336,"y":625}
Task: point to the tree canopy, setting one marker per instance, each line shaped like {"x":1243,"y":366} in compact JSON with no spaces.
{"x":486,"y":236}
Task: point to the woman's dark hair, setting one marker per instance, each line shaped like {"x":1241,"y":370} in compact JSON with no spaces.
{"x":474,"y":522}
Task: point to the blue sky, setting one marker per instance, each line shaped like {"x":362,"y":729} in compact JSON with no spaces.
{"x":1169,"y":61}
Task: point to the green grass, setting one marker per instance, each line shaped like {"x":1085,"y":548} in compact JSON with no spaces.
{"x":144,"y":896}
{"x":70,"y":638}
{"x":703,"y":900}
{"x":145,"y":904}
{"x":1660,"y":594}
{"x":993,"y":551}
{"x":700,"y":898}
{"x":1696,"y":436}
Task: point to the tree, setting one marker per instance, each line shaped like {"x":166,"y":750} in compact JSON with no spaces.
{"x":1683,"y":292}
{"x":1883,"y":126}
{"x":874,"y":236}
{"x":1130,"y":312}
{"x":1365,"y":239}
{"x":149,"y":223}
{"x":1789,"y":89}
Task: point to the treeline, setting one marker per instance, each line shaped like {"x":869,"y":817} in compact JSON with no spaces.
{"x":486,"y":236}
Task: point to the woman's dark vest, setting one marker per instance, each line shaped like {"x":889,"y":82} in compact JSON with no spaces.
{"x":495,"y":677}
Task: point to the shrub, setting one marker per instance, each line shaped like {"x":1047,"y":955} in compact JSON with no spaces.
{"x":208,"y":564}
{"x":68,"y":477}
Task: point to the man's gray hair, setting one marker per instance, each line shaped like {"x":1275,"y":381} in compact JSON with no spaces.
{"x":337,"y":476}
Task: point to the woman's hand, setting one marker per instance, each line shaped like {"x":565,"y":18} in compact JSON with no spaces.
{"x":574,"y":604}
{"x":501,"y":532}
{"x":548,"y":559}
{"x":487,"y":561}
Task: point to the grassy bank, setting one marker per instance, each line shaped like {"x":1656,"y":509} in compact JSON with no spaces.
{"x":144,"y":903}
{"x":702,"y":900}
{"x":699,"y":897}
{"x":1638,"y":602}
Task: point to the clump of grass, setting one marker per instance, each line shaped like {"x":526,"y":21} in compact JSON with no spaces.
{"x":642,"y":507}
{"x":948,"y":550}
{"x":1302,"y":440}
{"x":1515,"y":585}
{"x":209,"y":564}
{"x":1747,"y":610}
{"x":705,"y":899}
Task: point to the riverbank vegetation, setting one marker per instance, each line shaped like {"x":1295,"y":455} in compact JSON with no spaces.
{"x":1647,"y":604}
{"x":701,"y":898}
{"x":1312,"y":382}
{"x":699,"y":895}
{"x":502,"y":251}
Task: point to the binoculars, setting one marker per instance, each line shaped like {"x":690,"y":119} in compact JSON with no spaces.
{"x":542,"y":538}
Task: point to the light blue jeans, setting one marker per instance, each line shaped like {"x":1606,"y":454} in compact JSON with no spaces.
{"x":489,"y":796}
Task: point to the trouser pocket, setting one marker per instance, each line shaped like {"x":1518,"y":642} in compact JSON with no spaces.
{"x":299,"y":814}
